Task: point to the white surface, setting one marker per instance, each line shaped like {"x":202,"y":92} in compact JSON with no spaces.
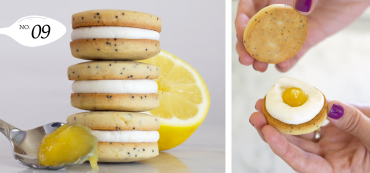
{"x":35,"y":89}
{"x":133,"y":136}
{"x":276,"y":107}
{"x":114,"y":32}
{"x":338,"y":67}
{"x":139,"y":86}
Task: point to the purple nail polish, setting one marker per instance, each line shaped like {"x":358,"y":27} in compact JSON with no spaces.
{"x":336,"y":111}
{"x":303,"y":5}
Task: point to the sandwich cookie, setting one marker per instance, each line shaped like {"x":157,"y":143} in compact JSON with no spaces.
{"x":275,"y":34}
{"x":114,"y":85}
{"x":294,"y":107}
{"x":122,"y":136}
{"x":115,"y":35}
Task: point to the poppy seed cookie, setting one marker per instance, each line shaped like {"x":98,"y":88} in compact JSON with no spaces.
{"x":101,"y":70}
{"x":110,"y":17}
{"x":115,"y":35}
{"x":122,"y":136}
{"x":126,"y":152}
{"x":275,"y":34}
{"x":112,"y":120}
{"x":298,"y":129}
{"x":114,"y":49}
{"x":115,"y":102}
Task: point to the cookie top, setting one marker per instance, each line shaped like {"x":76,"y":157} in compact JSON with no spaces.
{"x":110,"y":17}
{"x":100,"y":70}
{"x":275,"y":34}
{"x":109,"y":120}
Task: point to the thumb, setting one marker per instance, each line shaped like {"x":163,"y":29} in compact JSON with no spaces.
{"x":305,"y":7}
{"x":351,"y":120}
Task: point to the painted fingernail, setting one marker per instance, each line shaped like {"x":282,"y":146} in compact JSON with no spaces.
{"x":251,"y":123}
{"x":336,"y":111}
{"x":255,"y":107}
{"x":303,"y":5}
{"x":253,"y":67}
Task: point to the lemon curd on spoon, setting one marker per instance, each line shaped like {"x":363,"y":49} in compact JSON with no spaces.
{"x":66,"y":145}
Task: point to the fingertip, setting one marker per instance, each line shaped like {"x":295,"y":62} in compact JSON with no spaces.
{"x":260,"y":66}
{"x":244,"y":57}
{"x":336,"y":110}
{"x":245,"y":60}
{"x":272,"y":136}
{"x":241,"y":22}
{"x":305,"y":7}
{"x":283,"y":66}
{"x":259,"y":105}
{"x":258,"y":120}
{"x":330,"y":103}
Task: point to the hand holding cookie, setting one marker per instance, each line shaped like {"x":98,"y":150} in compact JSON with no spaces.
{"x":343,"y":140}
{"x":266,"y":46}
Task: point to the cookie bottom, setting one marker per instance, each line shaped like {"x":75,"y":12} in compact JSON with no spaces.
{"x":115,"y":102}
{"x":126,"y":152}
{"x":298,"y":129}
{"x":114,"y":49}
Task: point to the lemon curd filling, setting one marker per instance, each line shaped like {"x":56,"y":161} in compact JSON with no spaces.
{"x":294,"y":97}
{"x":66,"y":145}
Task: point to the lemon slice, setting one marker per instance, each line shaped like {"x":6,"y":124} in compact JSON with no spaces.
{"x":183,"y":96}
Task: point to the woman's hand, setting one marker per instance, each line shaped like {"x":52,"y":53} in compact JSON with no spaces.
{"x":325,"y":17}
{"x":344,"y":145}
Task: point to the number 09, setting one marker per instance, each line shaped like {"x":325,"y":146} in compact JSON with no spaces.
{"x":43,"y":29}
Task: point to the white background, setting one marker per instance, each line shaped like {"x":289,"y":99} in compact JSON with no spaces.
{"x":35,"y":90}
{"x":338,"y":66}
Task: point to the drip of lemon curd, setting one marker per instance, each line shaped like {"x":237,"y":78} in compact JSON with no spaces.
{"x":68,"y":144}
{"x":294,"y":97}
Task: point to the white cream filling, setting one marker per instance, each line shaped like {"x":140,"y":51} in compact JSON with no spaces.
{"x":293,"y":115}
{"x":137,"y":86}
{"x":131,"y":136}
{"x":114,"y":32}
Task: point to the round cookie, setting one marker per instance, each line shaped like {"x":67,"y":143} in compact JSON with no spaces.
{"x":110,"y":17}
{"x":114,"y":49}
{"x":100,"y":70}
{"x":120,"y":121}
{"x":115,"y":41}
{"x":275,"y":34}
{"x":115,"y":102}
{"x":298,"y":129}
{"x":126,"y":152}
{"x":98,"y":120}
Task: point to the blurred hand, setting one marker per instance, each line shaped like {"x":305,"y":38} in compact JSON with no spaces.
{"x":325,"y":17}
{"x":344,"y":145}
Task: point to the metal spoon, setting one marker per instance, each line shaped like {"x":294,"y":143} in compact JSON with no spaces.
{"x":26,"y":144}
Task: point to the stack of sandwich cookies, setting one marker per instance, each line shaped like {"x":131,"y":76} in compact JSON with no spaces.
{"x":114,"y":85}
{"x":117,"y":87}
{"x":115,"y":35}
{"x":122,"y":136}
